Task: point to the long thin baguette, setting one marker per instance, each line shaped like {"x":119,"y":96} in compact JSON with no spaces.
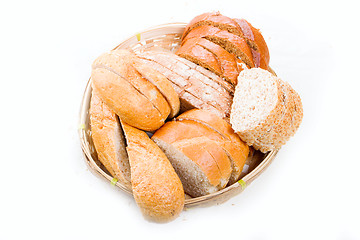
{"x":109,"y":140}
{"x":156,"y":187}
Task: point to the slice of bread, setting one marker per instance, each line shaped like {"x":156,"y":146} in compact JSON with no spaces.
{"x":162,"y":84}
{"x":120,"y":62}
{"x":195,"y":166}
{"x":109,"y":140}
{"x":127,"y":102}
{"x":230,"y":42}
{"x":174,"y":131}
{"x":196,"y":84}
{"x":232,"y":143}
{"x":256,"y":41}
{"x":190,"y":71}
{"x":214,"y":19}
{"x":192,"y":92}
{"x":156,"y":187}
{"x":199,"y":50}
{"x":201,"y":56}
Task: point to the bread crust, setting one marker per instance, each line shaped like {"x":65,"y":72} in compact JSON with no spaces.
{"x":121,"y":63}
{"x":232,"y":43}
{"x":201,"y":56}
{"x":128,"y":103}
{"x":108,"y":140}
{"x":157,"y":189}
{"x":162,"y":84}
{"x":214,"y":19}
{"x":257,"y":43}
{"x":186,"y":129}
{"x":192,"y":92}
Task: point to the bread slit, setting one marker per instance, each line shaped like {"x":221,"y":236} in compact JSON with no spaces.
{"x":137,"y":89}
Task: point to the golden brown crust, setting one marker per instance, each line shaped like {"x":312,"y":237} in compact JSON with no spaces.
{"x":156,"y":187}
{"x":163,"y":85}
{"x":201,"y":56}
{"x":186,"y":129}
{"x":214,"y":19}
{"x":230,"y":42}
{"x":128,"y":103}
{"x":198,"y":152}
{"x":108,"y":140}
{"x":120,"y":62}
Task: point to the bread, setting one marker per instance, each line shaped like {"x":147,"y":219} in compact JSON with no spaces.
{"x":129,"y":104}
{"x":162,"y":84}
{"x":141,"y":97}
{"x":195,"y":166}
{"x":262,"y":112}
{"x":257,"y":43}
{"x":195,"y":90}
{"x":109,"y":140}
{"x":230,"y":42}
{"x":258,"y":54}
{"x":156,"y":187}
{"x":174,"y":131}
{"x":214,"y":19}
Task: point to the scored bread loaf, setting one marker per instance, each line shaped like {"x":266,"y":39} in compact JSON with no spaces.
{"x":262,"y":112}
{"x":109,"y":140}
{"x":195,"y":89}
{"x":141,"y":96}
{"x":230,"y":42}
{"x":156,"y":187}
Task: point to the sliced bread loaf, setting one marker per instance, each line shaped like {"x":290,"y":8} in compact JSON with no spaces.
{"x":194,"y":90}
{"x":211,"y":56}
{"x":109,"y":140}
{"x":200,"y":174}
{"x":230,"y":42}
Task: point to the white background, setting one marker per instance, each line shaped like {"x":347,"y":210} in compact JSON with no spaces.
{"x":311,"y":191}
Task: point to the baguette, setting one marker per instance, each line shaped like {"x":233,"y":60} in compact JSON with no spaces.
{"x":156,"y":187}
{"x":109,"y":140}
{"x":128,"y":103}
{"x":121,"y":63}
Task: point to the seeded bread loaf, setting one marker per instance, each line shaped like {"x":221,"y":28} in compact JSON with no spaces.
{"x":262,"y":112}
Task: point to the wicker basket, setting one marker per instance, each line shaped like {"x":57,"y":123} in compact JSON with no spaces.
{"x":165,"y":37}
